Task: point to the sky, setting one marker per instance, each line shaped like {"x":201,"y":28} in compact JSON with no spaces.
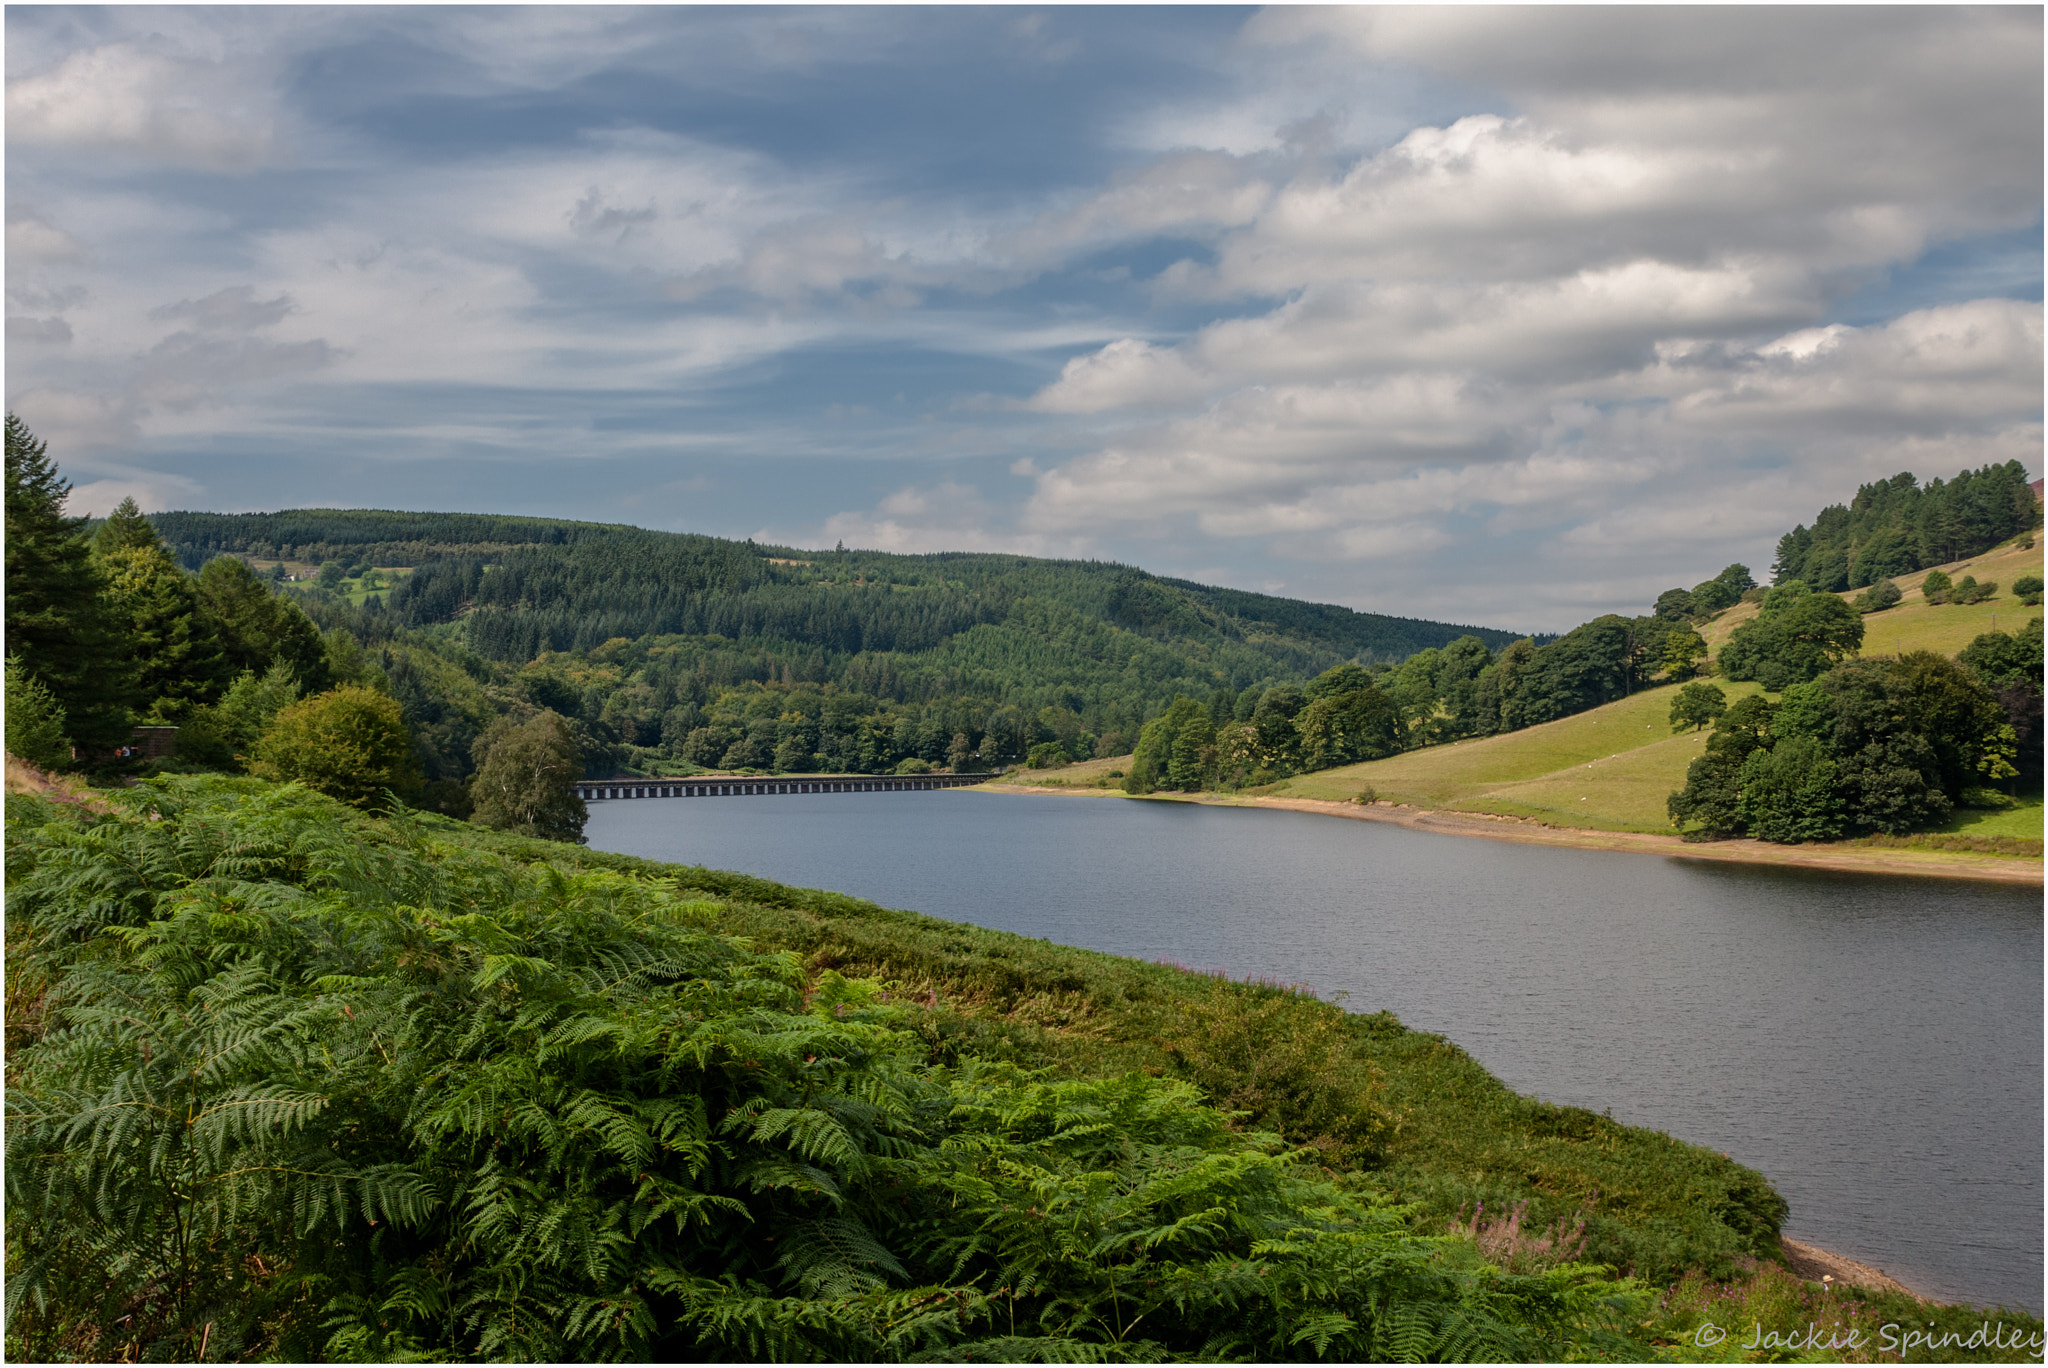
{"x":1501,"y":316}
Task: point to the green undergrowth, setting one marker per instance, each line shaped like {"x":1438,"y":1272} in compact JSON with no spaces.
{"x":289,"y":1081}
{"x":1764,"y":1314}
{"x":1409,"y":1107}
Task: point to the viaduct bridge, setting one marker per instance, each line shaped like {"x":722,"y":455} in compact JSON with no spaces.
{"x":733,"y":786}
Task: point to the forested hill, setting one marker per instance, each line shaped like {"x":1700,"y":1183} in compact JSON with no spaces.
{"x":523,"y":586}
{"x":1897,"y":526}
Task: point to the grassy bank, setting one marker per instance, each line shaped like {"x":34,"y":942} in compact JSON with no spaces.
{"x":1609,"y":769}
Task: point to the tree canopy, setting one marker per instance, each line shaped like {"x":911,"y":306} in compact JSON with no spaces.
{"x":1883,"y":745}
{"x":57,"y":626}
{"x":1894,"y":527}
{"x":525,"y":779}
{"x":349,"y":743}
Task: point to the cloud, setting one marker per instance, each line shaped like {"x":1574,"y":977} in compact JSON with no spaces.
{"x":122,"y":97}
{"x":30,"y":238}
{"x":1126,"y":373}
{"x":1194,"y":193}
{"x":234,"y":309}
{"x":592,"y":217}
{"x":153,"y":492}
{"x":1960,"y":367}
{"x":22,"y":328}
{"x":187,"y":369}
{"x":1713,"y":446}
{"x":75,"y":423}
{"x":1383,"y":302}
{"x":946,"y":516}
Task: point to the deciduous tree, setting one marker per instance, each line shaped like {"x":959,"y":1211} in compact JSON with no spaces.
{"x":525,"y":779}
{"x":349,"y":743}
{"x":1697,"y":706}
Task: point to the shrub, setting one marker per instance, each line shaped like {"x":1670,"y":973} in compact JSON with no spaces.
{"x":348,"y":743}
{"x":1504,"y":1243}
{"x":1878,"y":597}
{"x":1967,"y":590}
{"x":1935,"y":587}
{"x":1048,"y":755}
{"x":2028,"y":588}
{"x":913,"y":765}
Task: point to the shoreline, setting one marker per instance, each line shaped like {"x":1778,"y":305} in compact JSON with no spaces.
{"x":1839,"y":859}
{"x":1806,"y":1261}
{"x":1813,"y":1263}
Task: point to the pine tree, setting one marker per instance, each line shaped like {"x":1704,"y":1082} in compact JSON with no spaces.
{"x":55,"y":621}
{"x":259,"y":627}
{"x":124,"y":530}
{"x":35,"y":720}
{"x":176,"y":652}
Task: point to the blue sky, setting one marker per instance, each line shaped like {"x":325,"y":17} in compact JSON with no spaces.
{"x":1506,"y":316}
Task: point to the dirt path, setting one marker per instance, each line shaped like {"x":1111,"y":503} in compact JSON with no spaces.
{"x":1938,"y":864}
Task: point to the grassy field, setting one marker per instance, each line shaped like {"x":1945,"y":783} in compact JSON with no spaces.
{"x":2023,"y":821}
{"x":1084,"y":774}
{"x":1913,"y":624}
{"x":351,"y":590}
{"x":1609,"y":769}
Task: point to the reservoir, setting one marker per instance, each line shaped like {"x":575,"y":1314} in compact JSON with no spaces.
{"x":1872,"y":1045}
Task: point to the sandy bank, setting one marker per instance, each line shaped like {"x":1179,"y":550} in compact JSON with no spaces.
{"x":1938,"y":864}
{"x":1814,"y":1263}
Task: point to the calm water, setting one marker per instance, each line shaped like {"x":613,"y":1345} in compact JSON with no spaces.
{"x":1874,"y":1046}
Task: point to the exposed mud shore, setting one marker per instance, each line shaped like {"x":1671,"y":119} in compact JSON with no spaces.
{"x":1939,"y":864}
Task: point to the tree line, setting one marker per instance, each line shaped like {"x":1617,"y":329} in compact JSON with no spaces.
{"x":107,"y":631}
{"x":1351,"y":712}
{"x":1897,"y":526}
{"x":592,"y":650}
{"x":1886,"y":745}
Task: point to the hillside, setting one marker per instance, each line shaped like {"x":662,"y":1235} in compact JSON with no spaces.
{"x":527,"y":585}
{"x":1613,"y":767}
{"x":1913,"y":624}
{"x":672,"y":653}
